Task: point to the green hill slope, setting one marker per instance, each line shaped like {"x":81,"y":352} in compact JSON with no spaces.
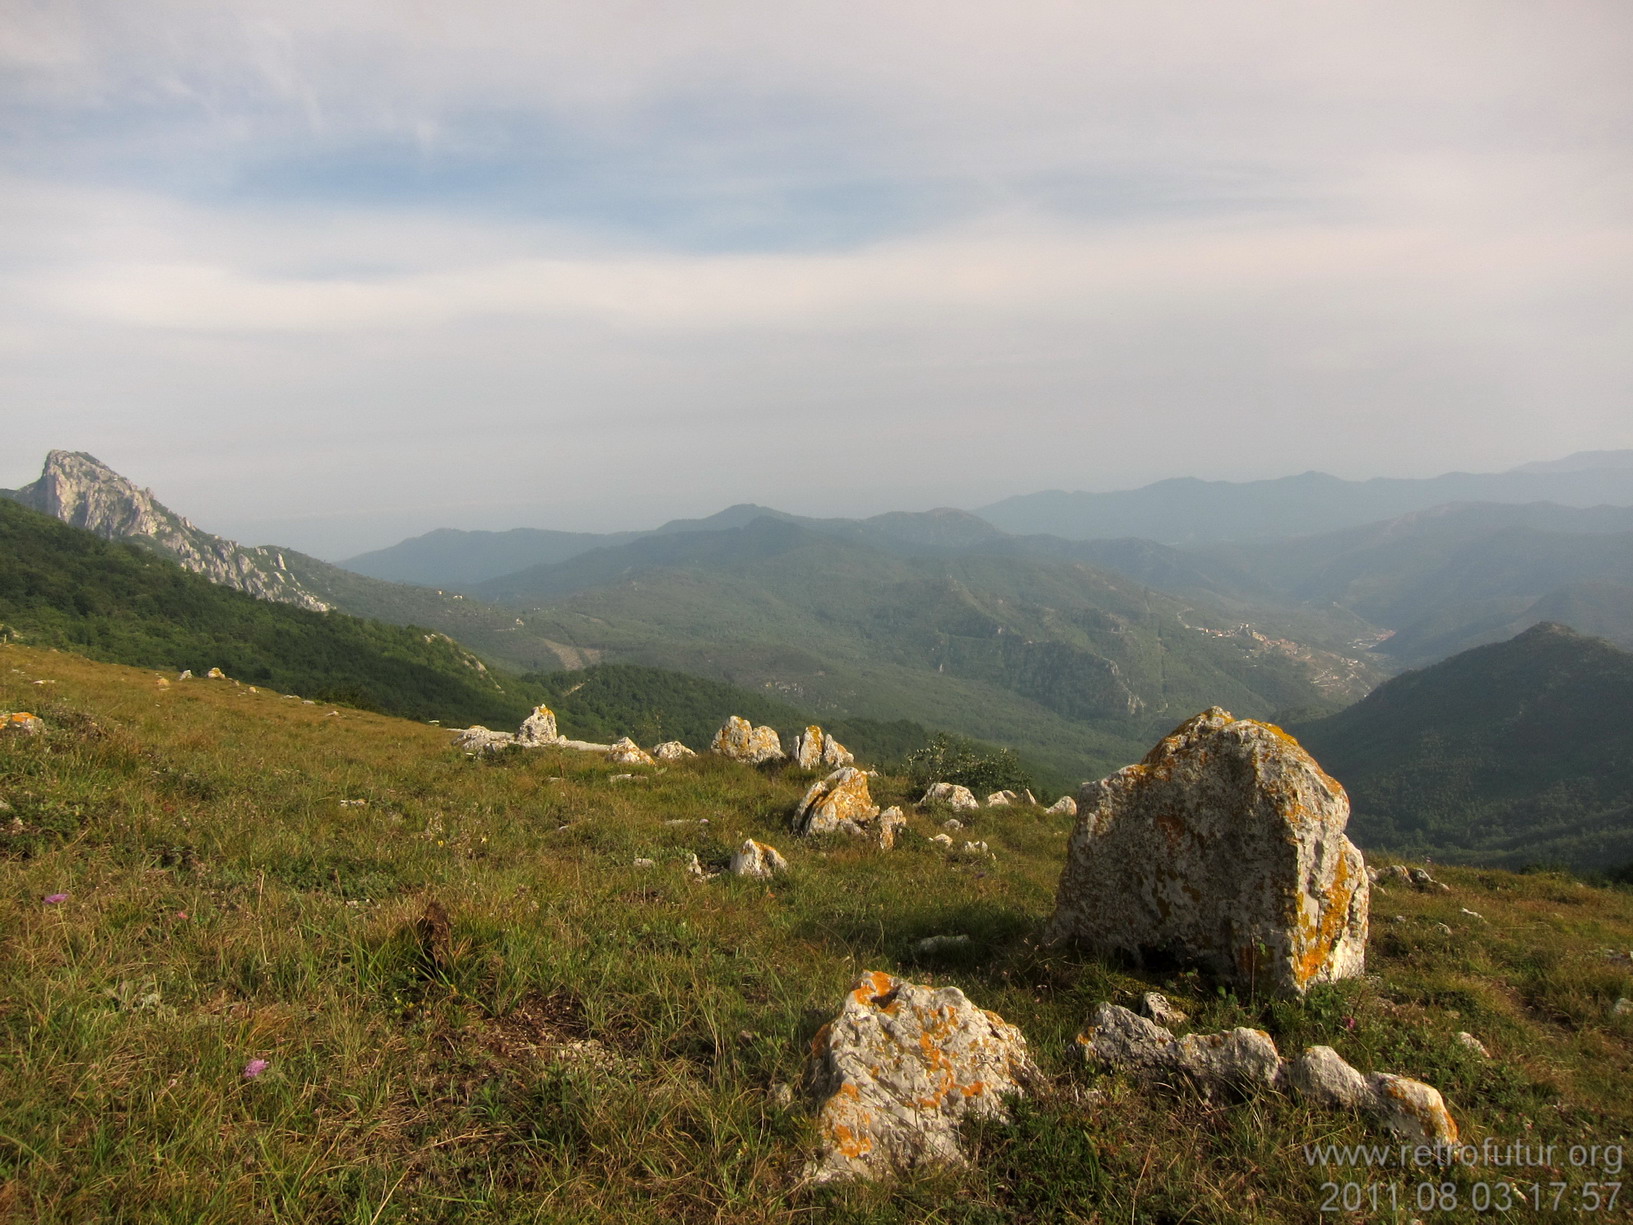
{"x":1066,"y":663}
{"x":60,"y":586}
{"x":1516,"y":753}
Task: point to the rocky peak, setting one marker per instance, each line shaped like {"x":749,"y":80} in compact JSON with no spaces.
{"x":85,"y":493}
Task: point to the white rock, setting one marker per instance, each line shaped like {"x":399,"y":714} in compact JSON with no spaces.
{"x":891,"y":822}
{"x":1064,"y":806}
{"x":900,"y":1068}
{"x":839,"y":803}
{"x":539,"y":729}
{"x":959,"y":799}
{"x":952,"y":823}
{"x":479,"y":739}
{"x":1622,"y":1007}
{"x":625,"y":752}
{"x":758,"y":860}
{"x":672,"y":750}
{"x":814,"y":749}
{"x":740,"y":741}
{"x":1001,"y":799}
{"x":932,"y":945}
{"x":645,"y":863}
{"x":1474,"y":1044}
{"x":215,"y":674}
{"x":1223,"y":847}
{"x":1321,"y":1075}
{"x":942,"y":839}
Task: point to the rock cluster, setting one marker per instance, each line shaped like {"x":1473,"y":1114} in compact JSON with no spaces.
{"x":738,"y":740}
{"x":1224,"y":847}
{"x":814,"y":749}
{"x":897,"y":1071}
{"x":1246,"y":1060}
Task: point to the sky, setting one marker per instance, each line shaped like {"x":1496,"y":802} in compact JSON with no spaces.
{"x":330,"y":274}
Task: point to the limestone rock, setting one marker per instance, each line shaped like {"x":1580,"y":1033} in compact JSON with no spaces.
{"x":672,"y":750}
{"x":838,"y":803}
{"x":479,"y":739}
{"x":931,"y":946}
{"x":1246,"y":1061}
{"x":1223,"y":847}
{"x":758,"y":860}
{"x":539,"y":729}
{"x":215,"y":674}
{"x":891,"y":822}
{"x":1064,"y":806}
{"x":1464,"y":1038}
{"x":22,"y":722}
{"x":814,"y":748}
{"x":625,"y":752}
{"x":899,"y":1069}
{"x":740,"y":741}
{"x":959,"y":799}
{"x":1002,"y":799}
{"x":1155,"y":1005}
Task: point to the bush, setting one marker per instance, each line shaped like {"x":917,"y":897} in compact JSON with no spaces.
{"x":952,"y":759}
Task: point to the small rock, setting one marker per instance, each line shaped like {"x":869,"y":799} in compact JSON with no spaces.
{"x":780,"y":1096}
{"x":186,"y":675}
{"x":814,"y":749}
{"x":1621,"y":1007}
{"x":1065,"y":806}
{"x":952,"y":823}
{"x":942,"y":840}
{"x":625,"y":752}
{"x":1001,"y":799}
{"x":1473,"y":914}
{"x":757,"y":860}
{"x":479,"y":739}
{"x":621,"y":778}
{"x":1443,"y":929}
{"x":1474,"y":1044}
{"x":931,"y":945}
{"x":740,"y":741}
{"x":23,"y":723}
{"x":959,"y":799}
{"x":216,"y":674}
{"x":645,"y":863}
{"x":976,"y":849}
{"x":695,"y":868}
{"x":538,"y":729}
{"x":672,"y":750}
{"x":839,"y":803}
{"x":900,"y":1068}
{"x":891,"y":822}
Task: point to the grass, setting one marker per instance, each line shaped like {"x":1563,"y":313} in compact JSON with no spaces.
{"x":591,"y":1040}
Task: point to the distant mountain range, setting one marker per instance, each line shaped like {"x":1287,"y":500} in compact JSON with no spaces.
{"x":1187,"y":511}
{"x":1516,"y":753}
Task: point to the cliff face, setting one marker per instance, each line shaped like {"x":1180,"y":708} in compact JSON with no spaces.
{"x":85,"y":493}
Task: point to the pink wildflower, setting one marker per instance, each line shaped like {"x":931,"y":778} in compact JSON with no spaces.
{"x":54,"y":898}
{"x":254,"y":1068}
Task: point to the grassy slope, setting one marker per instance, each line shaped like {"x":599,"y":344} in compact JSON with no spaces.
{"x":1519,"y":752}
{"x":224,"y":906}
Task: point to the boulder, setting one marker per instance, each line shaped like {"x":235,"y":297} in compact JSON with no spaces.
{"x":1002,"y":799}
{"x":959,"y":799}
{"x":814,"y":748}
{"x":1223,"y":848}
{"x":539,"y":729}
{"x":672,"y":750}
{"x":479,"y":739}
{"x":215,"y":674}
{"x":1246,"y":1061}
{"x":740,"y":741}
{"x":625,"y":752}
{"x":900,"y":1068}
{"x":758,"y":860}
{"x":1064,"y":806}
{"x":838,"y":803}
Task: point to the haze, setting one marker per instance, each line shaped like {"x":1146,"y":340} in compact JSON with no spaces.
{"x":331,"y":274}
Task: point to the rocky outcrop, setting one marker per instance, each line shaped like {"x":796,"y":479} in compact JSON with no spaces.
{"x":738,"y":740}
{"x":672,"y":750}
{"x":85,"y":493}
{"x":900,"y":1068}
{"x":539,"y":730}
{"x":839,"y":803}
{"x":959,"y":799}
{"x":1224,"y":848}
{"x":625,"y":752}
{"x":1245,"y":1061}
{"x":814,"y":749}
{"x":758,"y":860}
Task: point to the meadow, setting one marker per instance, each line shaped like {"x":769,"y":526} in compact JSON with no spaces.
{"x":227,"y":993}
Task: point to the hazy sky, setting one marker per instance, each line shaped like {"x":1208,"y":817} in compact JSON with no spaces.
{"x":332,"y":272}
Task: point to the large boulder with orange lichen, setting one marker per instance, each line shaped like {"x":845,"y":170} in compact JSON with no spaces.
{"x":1223,"y":848}
{"x":740,"y":740}
{"x":841,"y":804}
{"x":900,"y":1068}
